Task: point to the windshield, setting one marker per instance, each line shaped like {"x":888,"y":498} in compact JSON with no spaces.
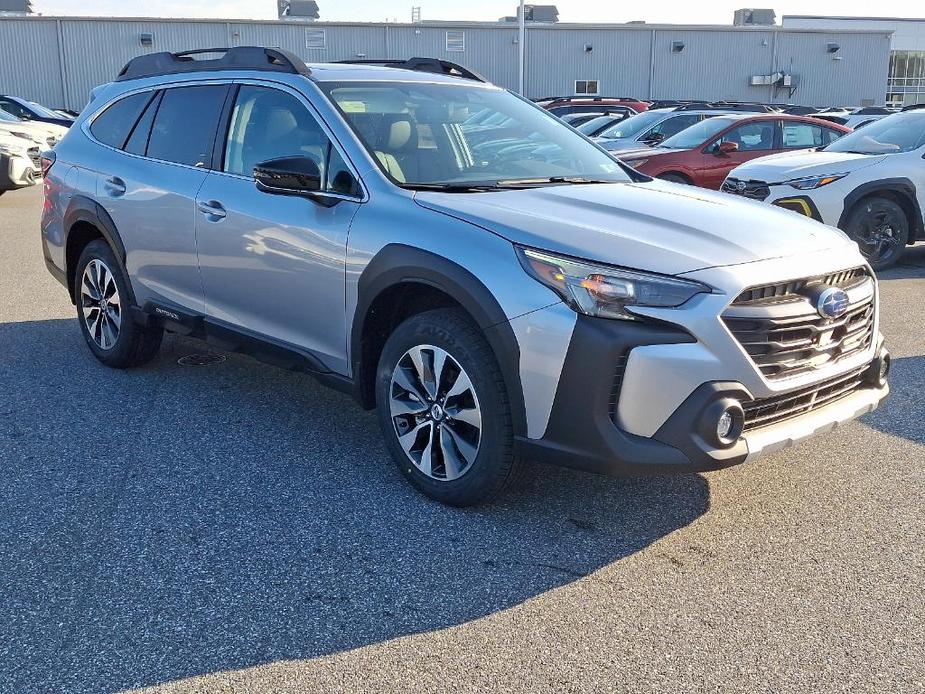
{"x":592,"y":126}
{"x":43,"y":111}
{"x":696,"y":135}
{"x":425,"y":134}
{"x":634,"y":125}
{"x":901,"y":132}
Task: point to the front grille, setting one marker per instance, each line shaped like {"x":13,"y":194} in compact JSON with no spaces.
{"x":756,"y":190}
{"x":36,"y":156}
{"x":768,"y":411}
{"x":781,"y":330}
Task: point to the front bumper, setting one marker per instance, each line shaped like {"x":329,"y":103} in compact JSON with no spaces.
{"x":16,"y":172}
{"x":585,"y":429}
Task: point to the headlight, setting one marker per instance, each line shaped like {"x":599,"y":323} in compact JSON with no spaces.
{"x":635,"y":163}
{"x":813,"y":182}
{"x":603,"y":291}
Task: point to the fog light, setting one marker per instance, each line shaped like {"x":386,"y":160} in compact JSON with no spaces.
{"x":722,"y":422}
{"x":879,"y":370}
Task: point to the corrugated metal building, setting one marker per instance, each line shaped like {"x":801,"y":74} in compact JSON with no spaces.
{"x":57,"y":61}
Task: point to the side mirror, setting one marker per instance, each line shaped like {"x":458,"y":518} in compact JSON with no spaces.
{"x":727,"y":147}
{"x":288,"y":176}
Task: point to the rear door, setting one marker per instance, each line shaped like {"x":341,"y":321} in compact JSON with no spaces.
{"x":274,"y":265}
{"x":757,"y":138}
{"x":148,"y":185}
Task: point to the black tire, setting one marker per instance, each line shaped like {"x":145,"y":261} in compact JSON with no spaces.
{"x":880,"y":227}
{"x":675,"y":178}
{"x":133,"y":344}
{"x":494,"y":466}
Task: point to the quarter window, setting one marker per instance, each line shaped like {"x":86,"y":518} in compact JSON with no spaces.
{"x":112,"y":126}
{"x":185,"y":124}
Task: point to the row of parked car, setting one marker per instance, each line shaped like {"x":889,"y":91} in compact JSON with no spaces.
{"x":26,"y":130}
{"x":814,"y":161}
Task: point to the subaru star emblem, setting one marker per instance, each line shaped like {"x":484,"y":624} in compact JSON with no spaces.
{"x":741,"y":186}
{"x":832,"y":303}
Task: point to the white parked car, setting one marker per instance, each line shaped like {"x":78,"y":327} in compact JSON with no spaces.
{"x":19,"y":162}
{"x":870,"y":184}
{"x":48,"y":134}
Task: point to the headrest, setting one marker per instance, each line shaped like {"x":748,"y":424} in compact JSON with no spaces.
{"x":399,"y":134}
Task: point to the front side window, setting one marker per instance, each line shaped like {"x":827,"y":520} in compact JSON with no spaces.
{"x":14,"y":109}
{"x":901,"y":132}
{"x":672,"y":126}
{"x":633,"y":126}
{"x":751,"y":137}
{"x":270,"y":124}
{"x":443,"y":134}
{"x":185,"y":124}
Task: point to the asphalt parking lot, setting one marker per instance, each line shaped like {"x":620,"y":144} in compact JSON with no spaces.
{"x":236,"y":528}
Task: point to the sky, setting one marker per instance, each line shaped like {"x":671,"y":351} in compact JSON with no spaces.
{"x":674,"y":12}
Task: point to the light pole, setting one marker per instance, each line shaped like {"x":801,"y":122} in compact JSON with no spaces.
{"x":521,"y":44}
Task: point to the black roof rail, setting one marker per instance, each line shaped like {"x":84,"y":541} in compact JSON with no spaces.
{"x":433,"y":65}
{"x":588,"y":97}
{"x":914,"y":107}
{"x":237,"y":58}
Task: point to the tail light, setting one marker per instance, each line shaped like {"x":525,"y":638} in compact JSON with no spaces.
{"x":48,"y":159}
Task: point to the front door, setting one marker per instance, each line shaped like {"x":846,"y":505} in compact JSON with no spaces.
{"x":754,"y":139}
{"x":272,"y":265}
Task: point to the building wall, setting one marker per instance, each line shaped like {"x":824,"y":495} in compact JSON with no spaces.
{"x":76,"y":54}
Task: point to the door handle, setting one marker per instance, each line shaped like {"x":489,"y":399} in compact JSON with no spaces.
{"x":115,"y":186}
{"x":212,"y":209}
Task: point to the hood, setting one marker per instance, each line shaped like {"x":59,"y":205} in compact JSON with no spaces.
{"x":647,"y":152}
{"x":39,"y":131}
{"x":778,"y":168}
{"x":656,"y":226}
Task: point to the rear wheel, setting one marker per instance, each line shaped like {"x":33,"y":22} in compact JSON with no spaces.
{"x":101,"y":293}
{"x":880,"y":227}
{"x":444,"y":409}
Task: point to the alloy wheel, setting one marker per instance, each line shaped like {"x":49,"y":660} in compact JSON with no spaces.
{"x":435,"y":412}
{"x":100,"y":304}
{"x":879,"y":235}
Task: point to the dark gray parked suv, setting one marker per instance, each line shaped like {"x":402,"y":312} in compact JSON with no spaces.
{"x":497,"y":291}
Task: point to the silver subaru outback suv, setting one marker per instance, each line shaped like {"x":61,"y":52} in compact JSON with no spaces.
{"x":494,"y":284}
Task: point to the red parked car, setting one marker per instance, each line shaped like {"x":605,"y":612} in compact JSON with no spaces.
{"x":705,"y":153}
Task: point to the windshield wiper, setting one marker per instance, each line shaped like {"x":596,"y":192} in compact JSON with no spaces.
{"x":571,"y":180}
{"x":452,"y":187}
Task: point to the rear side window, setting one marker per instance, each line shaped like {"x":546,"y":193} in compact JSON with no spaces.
{"x":185,"y":124}
{"x":672,"y":126}
{"x":805,"y":135}
{"x":112,"y":126}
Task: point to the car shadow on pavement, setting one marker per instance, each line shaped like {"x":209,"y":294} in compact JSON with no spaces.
{"x":172,"y":521}
{"x":902,"y":412}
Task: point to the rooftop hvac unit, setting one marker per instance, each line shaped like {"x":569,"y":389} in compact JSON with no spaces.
{"x":536,"y":13}
{"x":751,"y":17}
{"x":297,"y":9}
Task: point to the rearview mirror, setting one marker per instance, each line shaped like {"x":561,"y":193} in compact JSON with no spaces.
{"x":727,"y":147}
{"x":288,"y":176}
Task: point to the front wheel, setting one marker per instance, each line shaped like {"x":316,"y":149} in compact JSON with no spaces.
{"x":444,"y":409}
{"x":880,"y":227}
